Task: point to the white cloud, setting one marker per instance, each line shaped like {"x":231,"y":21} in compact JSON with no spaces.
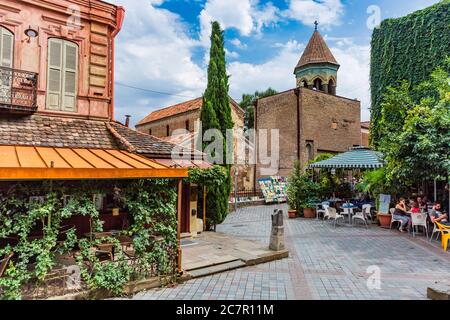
{"x":326,"y":12}
{"x":246,"y":16}
{"x":154,"y":51}
{"x":276,"y":73}
{"x":353,"y":76}
{"x":238,"y":44}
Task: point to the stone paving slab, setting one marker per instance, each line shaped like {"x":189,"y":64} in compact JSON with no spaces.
{"x":324,"y":263}
{"x":214,"y":248}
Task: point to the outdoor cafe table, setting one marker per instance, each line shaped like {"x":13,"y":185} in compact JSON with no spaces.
{"x":352,"y":207}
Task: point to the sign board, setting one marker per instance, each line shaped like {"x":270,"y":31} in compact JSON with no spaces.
{"x":385,"y":201}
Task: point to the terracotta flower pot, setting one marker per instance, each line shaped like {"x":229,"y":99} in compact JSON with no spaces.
{"x":292,"y":214}
{"x":309,"y":213}
{"x":385,"y":220}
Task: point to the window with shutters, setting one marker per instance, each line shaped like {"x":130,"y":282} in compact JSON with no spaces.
{"x":6,"y":62}
{"x":62,"y":75}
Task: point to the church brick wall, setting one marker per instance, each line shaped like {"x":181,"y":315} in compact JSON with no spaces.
{"x":328,"y":123}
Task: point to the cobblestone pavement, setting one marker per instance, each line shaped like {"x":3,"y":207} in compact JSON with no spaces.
{"x":324,"y":263}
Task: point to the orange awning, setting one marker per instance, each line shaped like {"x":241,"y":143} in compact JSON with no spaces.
{"x":33,"y":163}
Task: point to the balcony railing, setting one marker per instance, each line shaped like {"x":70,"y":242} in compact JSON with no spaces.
{"x":18,"y":90}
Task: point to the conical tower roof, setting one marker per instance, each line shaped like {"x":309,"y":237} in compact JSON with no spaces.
{"x":316,"y":52}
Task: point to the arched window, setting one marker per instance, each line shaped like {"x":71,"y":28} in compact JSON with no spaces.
{"x":167,"y":130}
{"x":62,"y":73}
{"x":309,"y":151}
{"x":6,"y":48}
{"x":331,"y":86}
{"x":318,"y":84}
{"x":305,"y":84}
{"x":187,"y":125}
{"x":150,"y":131}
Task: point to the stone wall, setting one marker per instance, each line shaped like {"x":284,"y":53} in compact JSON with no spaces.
{"x":328,"y":123}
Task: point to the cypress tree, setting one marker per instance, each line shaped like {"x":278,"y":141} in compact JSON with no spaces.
{"x":216,"y":113}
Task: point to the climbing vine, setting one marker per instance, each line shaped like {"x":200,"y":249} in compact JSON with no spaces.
{"x":25,"y":213}
{"x":407,"y":48}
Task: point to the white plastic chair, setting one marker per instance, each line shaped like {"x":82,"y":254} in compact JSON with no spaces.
{"x":326,"y":214}
{"x":419,"y":220}
{"x":392,"y":210}
{"x":366,"y":208}
{"x":362,"y":215}
{"x":322,"y":211}
{"x":333,"y":215}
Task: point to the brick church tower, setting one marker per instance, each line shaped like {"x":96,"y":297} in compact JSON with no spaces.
{"x":317,"y":68}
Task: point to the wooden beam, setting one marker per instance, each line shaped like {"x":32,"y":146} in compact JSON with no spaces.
{"x":204,"y":208}
{"x":88,"y":173}
{"x":179,"y":208}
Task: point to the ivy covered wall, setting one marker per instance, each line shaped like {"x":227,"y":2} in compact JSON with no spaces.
{"x":407,"y":48}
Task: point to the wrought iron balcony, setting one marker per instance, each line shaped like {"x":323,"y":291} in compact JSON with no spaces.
{"x":18,"y":90}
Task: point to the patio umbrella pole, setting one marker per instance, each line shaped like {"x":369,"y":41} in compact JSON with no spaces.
{"x":435,"y":191}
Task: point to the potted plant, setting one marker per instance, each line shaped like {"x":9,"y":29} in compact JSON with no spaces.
{"x":293,"y":192}
{"x":308,"y":193}
{"x":302,"y":193}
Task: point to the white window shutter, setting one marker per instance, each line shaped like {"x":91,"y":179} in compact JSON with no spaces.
{"x":69,"y":92}
{"x":54,"y":74}
{"x":7,"y":40}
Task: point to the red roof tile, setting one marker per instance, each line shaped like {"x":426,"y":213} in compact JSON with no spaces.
{"x":173,"y":110}
{"x":183,"y":107}
{"x":316,"y":51}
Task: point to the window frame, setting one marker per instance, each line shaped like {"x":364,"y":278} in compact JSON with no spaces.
{"x":63,"y":69}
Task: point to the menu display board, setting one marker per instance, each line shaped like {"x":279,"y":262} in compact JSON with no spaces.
{"x":274,"y":189}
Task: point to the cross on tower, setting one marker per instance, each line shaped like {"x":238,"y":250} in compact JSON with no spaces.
{"x":316,"y":23}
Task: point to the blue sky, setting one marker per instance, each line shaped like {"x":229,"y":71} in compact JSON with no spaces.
{"x":164,"y":45}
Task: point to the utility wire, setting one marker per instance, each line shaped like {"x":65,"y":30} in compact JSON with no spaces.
{"x":153,"y":91}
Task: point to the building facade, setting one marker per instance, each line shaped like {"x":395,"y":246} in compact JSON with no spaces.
{"x":185,"y":116}
{"x":311,"y":119}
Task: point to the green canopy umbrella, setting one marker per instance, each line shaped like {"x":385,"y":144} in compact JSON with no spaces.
{"x":356,"y":158}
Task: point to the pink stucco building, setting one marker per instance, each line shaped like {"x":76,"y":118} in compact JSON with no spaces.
{"x":62,"y":56}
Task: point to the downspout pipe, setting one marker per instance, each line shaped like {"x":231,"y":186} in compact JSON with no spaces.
{"x":120,"y":16}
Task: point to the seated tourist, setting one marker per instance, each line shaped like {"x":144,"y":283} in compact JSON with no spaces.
{"x":422,"y":202}
{"x":401,"y":214}
{"x":436,"y":215}
{"x":415,"y":207}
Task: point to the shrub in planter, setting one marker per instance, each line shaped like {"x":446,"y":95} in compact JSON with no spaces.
{"x":302,"y":192}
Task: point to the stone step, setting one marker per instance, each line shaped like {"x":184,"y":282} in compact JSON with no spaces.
{"x":203,"y":272}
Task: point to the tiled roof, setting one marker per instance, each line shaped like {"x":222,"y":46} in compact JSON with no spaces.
{"x":183,"y":107}
{"x":173,"y":110}
{"x":57,"y":132}
{"x":60,"y":132}
{"x":142,"y":142}
{"x":316,"y":51}
{"x":365,"y":124}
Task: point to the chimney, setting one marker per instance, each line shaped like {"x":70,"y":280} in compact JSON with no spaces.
{"x":127,"y":120}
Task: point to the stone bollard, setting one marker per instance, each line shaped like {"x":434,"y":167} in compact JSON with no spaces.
{"x":277,"y":235}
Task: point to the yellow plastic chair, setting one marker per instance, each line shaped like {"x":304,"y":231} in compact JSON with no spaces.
{"x":445,"y":234}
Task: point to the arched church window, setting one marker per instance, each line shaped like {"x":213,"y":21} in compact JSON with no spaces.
{"x":309,"y":151}
{"x":331,"y":86}
{"x":318,"y":84}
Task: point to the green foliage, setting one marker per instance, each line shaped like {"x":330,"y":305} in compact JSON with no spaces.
{"x":248,"y":105}
{"x":417,"y":148}
{"x":407,"y":48}
{"x":214,"y":176}
{"x":150,"y":203}
{"x":301,"y":191}
{"x":217,"y":114}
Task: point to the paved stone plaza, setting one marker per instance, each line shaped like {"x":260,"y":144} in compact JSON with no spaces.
{"x":324,"y":263}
